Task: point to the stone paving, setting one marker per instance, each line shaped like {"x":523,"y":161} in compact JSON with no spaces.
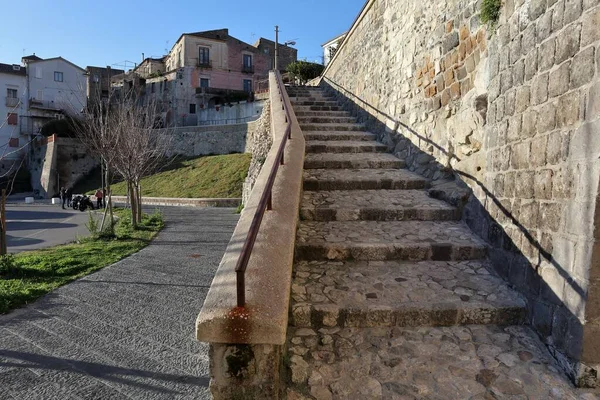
{"x":358,"y":160}
{"x":368,"y":324}
{"x":127,"y":331}
{"x":374,"y":240}
{"x":361,"y":179}
{"x":389,"y":293}
{"x":344,"y":146}
{"x":477,"y":362}
{"x":380,"y":205}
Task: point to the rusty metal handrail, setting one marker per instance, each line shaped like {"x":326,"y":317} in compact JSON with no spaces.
{"x":265,"y":203}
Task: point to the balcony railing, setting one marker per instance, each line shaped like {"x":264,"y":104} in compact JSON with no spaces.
{"x":204,"y":64}
{"x":12,"y":101}
{"x":248,"y":68}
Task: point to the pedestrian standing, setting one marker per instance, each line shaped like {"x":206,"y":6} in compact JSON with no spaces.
{"x":99,"y":196}
{"x":69,"y":197}
{"x":63,"y":196}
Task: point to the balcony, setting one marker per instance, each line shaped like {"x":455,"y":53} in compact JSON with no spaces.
{"x":204,"y":64}
{"x":44,"y":105}
{"x":248,"y":69}
{"x":12,"y":101}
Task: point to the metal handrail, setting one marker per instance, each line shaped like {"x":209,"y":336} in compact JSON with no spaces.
{"x":265,"y":203}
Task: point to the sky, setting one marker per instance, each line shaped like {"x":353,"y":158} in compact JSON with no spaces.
{"x":109,"y":32}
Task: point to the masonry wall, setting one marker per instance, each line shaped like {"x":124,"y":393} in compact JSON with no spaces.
{"x":258,"y":144}
{"x":514,"y":113}
{"x":193,"y":141}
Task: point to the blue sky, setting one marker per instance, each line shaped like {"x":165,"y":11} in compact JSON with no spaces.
{"x":109,"y":32}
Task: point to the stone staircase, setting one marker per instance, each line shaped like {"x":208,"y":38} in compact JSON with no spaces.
{"x":392,"y":296}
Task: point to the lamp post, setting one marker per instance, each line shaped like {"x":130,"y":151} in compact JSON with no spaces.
{"x":276,"y":48}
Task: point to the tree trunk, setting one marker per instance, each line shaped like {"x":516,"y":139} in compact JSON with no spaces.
{"x":133,"y":199}
{"x":139,"y":202}
{"x":109,"y":202}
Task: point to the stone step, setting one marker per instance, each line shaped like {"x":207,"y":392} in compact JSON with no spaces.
{"x":349,"y":160}
{"x":344,"y":146}
{"x":317,"y":108}
{"x":326,"y":120}
{"x":365,"y":179}
{"x":374,"y":205}
{"x":332,"y":135}
{"x":389,"y":240}
{"x":396,"y":293}
{"x":350,"y":127}
{"x":328,"y":103}
{"x":311,"y":97}
{"x":300,"y":114}
{"x":436,"y":363}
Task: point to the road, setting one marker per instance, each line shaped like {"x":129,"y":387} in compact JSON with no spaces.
{"x":126,"y":331}
{"x":31,"y":227}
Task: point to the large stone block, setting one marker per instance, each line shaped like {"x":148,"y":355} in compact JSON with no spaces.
{"x":539,"y":89}
{"x":559,"y":80}
{"x":567,"y":43}
{"x":558,"y":16}
{"x":582,"y":68}
{"x":544,"y":26}
{"x":593,"y":107}
{"x":590,"y":31}
{"x":585,"y":142}
{"x":568,"y":109}
{"x":573,"y":10}
{"x":550,"y":216}
{"x":546,"y":117}
{"x":524,"y":184}
{"x":562,"y":182}
{"x":520,"y":155}
{"x":531,"y":64}
{"x":543,"y":184}
{"x":522,"y":99}
{"x":553,"y":285}
{"x":529,"y":126}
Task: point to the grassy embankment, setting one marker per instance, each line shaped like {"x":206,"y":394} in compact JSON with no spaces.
{"x":210,"y":176}
{"x":26,"y":276}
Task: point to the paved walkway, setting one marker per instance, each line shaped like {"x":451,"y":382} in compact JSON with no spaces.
{"x":127,"y":331}
{"x":32,"y":227}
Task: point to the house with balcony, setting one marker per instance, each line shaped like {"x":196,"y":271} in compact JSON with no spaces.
{"x":13,"y":84}
{"x":55,"y":87}
{"x":203,"y":70}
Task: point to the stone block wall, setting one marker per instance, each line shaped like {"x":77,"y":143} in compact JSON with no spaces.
{"x":194,"y":141}
{"x":514,"y":113}
{"x":258,"y":144}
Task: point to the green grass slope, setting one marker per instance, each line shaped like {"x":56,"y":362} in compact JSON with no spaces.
{"x":212,"y":176}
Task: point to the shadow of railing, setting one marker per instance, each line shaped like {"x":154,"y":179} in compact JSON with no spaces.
{"x":520,"y":265}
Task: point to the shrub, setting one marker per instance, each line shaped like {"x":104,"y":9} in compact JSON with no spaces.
{"x":490,"y":11}
{"x":7,"y":265}
{"x":305,"y":70}
{"x":92,"y":225}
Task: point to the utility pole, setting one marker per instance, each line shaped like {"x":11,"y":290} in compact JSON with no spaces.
{"x":276,"y":48}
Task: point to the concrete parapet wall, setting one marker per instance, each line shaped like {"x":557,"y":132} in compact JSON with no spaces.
{"x":514,"y":114}
{"x":183,"y":202}
{"x":247,"y":341}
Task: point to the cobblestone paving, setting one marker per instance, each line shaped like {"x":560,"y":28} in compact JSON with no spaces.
{"x":381,"y":205}
{"x":388,"y":293}
{"x":358,"y":160}
{"x":465,"y":362}
{"x":344,"y":146}
{"x":362,"y":179}
{"x":334,"y":136}
{"x":127,"y":331}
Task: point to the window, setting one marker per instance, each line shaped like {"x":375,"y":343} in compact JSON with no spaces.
{"x":58,"y":76}
{"x":203,"y":56}
{"x":192,"y":108}
{"x":247,"y":85}
{"x":247,"y":60}
{"x":11,"y":93}
{"x":38,"y":73}
{"x":204,"y":82}
{"x":13,"y":142}
{"x":13,"y":118}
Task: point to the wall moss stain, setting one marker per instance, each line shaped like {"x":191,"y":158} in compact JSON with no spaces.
{"x":239,"y":361}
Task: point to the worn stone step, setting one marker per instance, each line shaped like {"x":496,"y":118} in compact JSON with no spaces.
{"x":400,"y":293}
{"x":311,"y":97}
{"x":300,"y":114}
{"x":318,"y":108}
{"x":332,"y":135}
{"x":322,"y":103}
{"x":389,"y":240}
{"x":365,"y":179}
{"x":374,"y":205}
{"x":352,"y":160}
{"x":435,"y":363}
{"x":344,"y":146}
{"x":324,"y":127}
{"x":326,"y":120}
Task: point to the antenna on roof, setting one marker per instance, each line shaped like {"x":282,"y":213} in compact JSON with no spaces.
{"x":166,"y":47}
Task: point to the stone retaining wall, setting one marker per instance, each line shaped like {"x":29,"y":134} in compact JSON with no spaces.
{"x":514,"y":113}
{"x":258,"y":144}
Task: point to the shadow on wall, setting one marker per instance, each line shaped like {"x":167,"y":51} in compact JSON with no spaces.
{"x":528,"y":266}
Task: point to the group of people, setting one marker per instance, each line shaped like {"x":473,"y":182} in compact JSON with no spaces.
{"x":66,"y":195}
